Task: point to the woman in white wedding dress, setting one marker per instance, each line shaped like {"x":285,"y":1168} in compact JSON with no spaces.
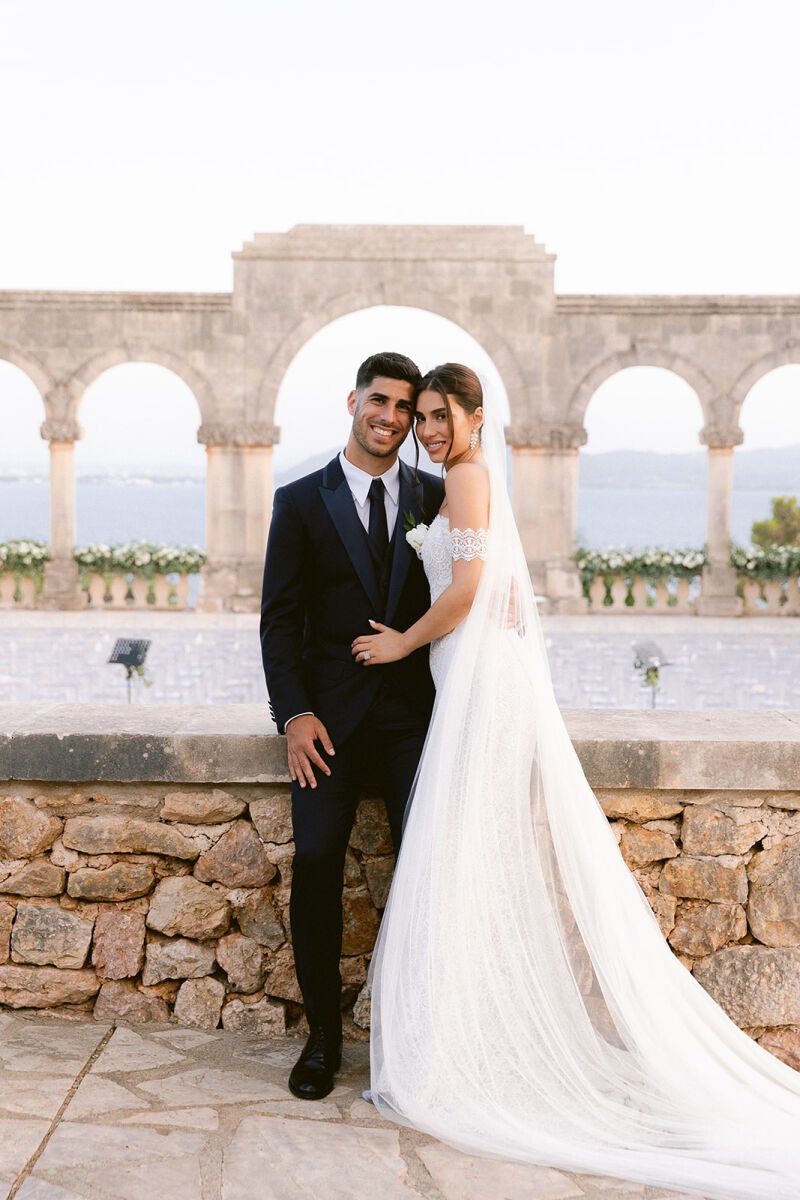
{"x":525,"y":1004}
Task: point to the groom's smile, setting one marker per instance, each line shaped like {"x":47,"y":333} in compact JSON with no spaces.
{"x":381,"y":416}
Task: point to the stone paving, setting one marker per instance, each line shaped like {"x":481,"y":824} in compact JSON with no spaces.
{"x":204,"y":658}
{"x":101,"y":1112}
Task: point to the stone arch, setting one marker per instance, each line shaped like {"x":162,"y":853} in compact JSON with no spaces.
{"x":642,"y":355}
{"x":93,"y":368}
{"x":38,"y":374}
{"x":783,"y":357}
{"x":484,"y":332}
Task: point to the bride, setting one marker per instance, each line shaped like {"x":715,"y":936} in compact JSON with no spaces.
{"x":525,"y":1004}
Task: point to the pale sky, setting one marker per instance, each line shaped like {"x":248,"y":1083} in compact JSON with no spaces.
{"x":653,"y":147}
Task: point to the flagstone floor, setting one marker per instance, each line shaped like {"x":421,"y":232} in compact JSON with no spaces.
{"x":96,"y":1112}
{"x":215,"y":658}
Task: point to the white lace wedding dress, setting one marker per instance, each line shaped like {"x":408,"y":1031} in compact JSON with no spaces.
{"x":525,"y":1004}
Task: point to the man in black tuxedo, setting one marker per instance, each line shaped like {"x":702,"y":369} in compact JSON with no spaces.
{"x":337,"y":556}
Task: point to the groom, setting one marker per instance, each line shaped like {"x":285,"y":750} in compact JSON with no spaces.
{"x":337,"y":556}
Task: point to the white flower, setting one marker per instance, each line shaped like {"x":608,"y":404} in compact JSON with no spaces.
{"x":415,"y":537}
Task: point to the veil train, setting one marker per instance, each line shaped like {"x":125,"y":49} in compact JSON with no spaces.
{"x":525,"y":1004}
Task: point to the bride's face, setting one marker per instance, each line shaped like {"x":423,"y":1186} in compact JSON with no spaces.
{"x":433,"y":430}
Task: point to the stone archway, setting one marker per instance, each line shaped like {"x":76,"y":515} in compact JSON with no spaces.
{"x":483,"y":332}
{"x":641,"y":355}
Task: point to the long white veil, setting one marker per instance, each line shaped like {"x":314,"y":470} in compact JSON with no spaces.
{"x":525,"y":1004}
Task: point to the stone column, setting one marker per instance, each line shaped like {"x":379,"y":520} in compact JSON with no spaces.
{"x":238,"y":506}
{"x":545,"y":497}
{"x":61,"y":581}
{"x":718,"y":595}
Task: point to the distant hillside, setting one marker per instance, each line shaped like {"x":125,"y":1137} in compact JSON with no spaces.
{"x":774,"y":470}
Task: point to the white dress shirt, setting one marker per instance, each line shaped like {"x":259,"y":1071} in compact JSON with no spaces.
{"x":359,"y":483}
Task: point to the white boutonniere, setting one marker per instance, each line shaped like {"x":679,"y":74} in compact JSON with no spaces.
{"x":415,"y":533}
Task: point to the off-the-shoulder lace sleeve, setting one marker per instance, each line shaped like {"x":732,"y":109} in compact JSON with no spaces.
{"x":468,"y":543}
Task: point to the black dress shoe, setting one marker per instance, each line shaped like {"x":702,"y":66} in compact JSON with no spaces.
{"x":312,"y":1074}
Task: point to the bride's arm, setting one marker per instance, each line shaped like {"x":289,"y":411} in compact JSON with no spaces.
{"x":467,"y":492}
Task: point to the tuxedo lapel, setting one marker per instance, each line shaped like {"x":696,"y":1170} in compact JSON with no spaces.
{"x":402,"y":554}
{"x":338,"y":499}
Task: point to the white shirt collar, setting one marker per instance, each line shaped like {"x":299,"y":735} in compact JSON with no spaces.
{"x":359,"y":481}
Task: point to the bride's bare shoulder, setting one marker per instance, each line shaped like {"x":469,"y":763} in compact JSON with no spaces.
{"x":467,"y":477}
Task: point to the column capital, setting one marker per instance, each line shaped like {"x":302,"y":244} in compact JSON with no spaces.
{"x":552,"y":437}
{"x":61,"y":429}
{"x":720,"y":437}
{"x":238,"y":433}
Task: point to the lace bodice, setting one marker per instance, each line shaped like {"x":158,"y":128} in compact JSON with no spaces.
{"x":441,"y":546}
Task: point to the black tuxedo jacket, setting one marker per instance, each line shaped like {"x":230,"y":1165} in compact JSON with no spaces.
{"x":320,"y":590}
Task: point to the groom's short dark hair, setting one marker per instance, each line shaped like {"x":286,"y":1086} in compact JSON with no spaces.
{"x":391,"y":366}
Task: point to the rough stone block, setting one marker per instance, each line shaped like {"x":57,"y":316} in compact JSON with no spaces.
{"x":641,"y":846}
{"x":784,"y":1043}
{"x":7,"y":912}
{"x":272,"y":817}
{"x":118,"y":947}
{"x":178,"y":959}
{"x":120,"y":1000}
{"x":38,"y":878}
{"x":265,"y":1018}
{"x":48,"y":935}
{"x":704,"y":879}
{"x":756,"y":985}
{"x":183,"y":905}
{"x":121,"y":881}
{"x":371,"y":829}
{"x":706,"y":830}
{"x":112,"y":834}
{"x":774,"y":906}
{"x":244,"y":962}
{"x":639,"y":806}
{"x":702,"y":927}
{"x":237,"y":860}
{"x":379,"y":873}
{"x":360,"y":922}
{"x":45,"y":987}
{"x":199,"y":1003}
{"x":282,"y":980}
{"x":201,"y":808}
{"x":24,"y":830}
{"x":256,"y":918}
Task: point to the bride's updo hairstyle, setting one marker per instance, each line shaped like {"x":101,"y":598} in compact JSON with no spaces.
{"x":456,"y":381}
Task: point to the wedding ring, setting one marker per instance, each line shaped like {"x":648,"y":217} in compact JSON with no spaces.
{"x":366,"y":656}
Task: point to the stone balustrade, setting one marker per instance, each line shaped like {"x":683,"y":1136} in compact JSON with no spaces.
{"x":122,"y":590}
{"x":632,"y":594}
{"x":145,"y":860}
{"x":618,"y":592}
{"x":19,"y":590}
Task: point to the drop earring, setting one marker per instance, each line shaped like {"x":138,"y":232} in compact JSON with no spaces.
{"x":473,"y":441}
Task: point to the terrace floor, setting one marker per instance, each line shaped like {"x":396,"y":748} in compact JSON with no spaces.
{"x":205,"y":658}
{"x":92,"y":1111}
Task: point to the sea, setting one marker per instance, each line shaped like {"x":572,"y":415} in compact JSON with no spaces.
{"x":173,"y":512}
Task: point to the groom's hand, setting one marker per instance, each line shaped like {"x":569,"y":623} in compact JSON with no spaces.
{"x":301,"y":735}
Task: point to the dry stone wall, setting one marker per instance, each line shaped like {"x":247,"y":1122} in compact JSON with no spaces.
{"x":142,"y":903}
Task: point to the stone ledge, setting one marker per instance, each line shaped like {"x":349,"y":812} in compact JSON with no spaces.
{"x":709,"y":748}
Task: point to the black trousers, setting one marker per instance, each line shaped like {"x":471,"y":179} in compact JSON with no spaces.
{"x":383,"y":752}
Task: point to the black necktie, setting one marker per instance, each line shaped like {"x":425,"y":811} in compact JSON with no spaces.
{"x":378,"y":528}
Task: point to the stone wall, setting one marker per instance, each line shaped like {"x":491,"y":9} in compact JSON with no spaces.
{"x":145,"y":861}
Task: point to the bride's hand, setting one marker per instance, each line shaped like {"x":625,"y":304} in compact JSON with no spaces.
{"x":385,"y":646}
